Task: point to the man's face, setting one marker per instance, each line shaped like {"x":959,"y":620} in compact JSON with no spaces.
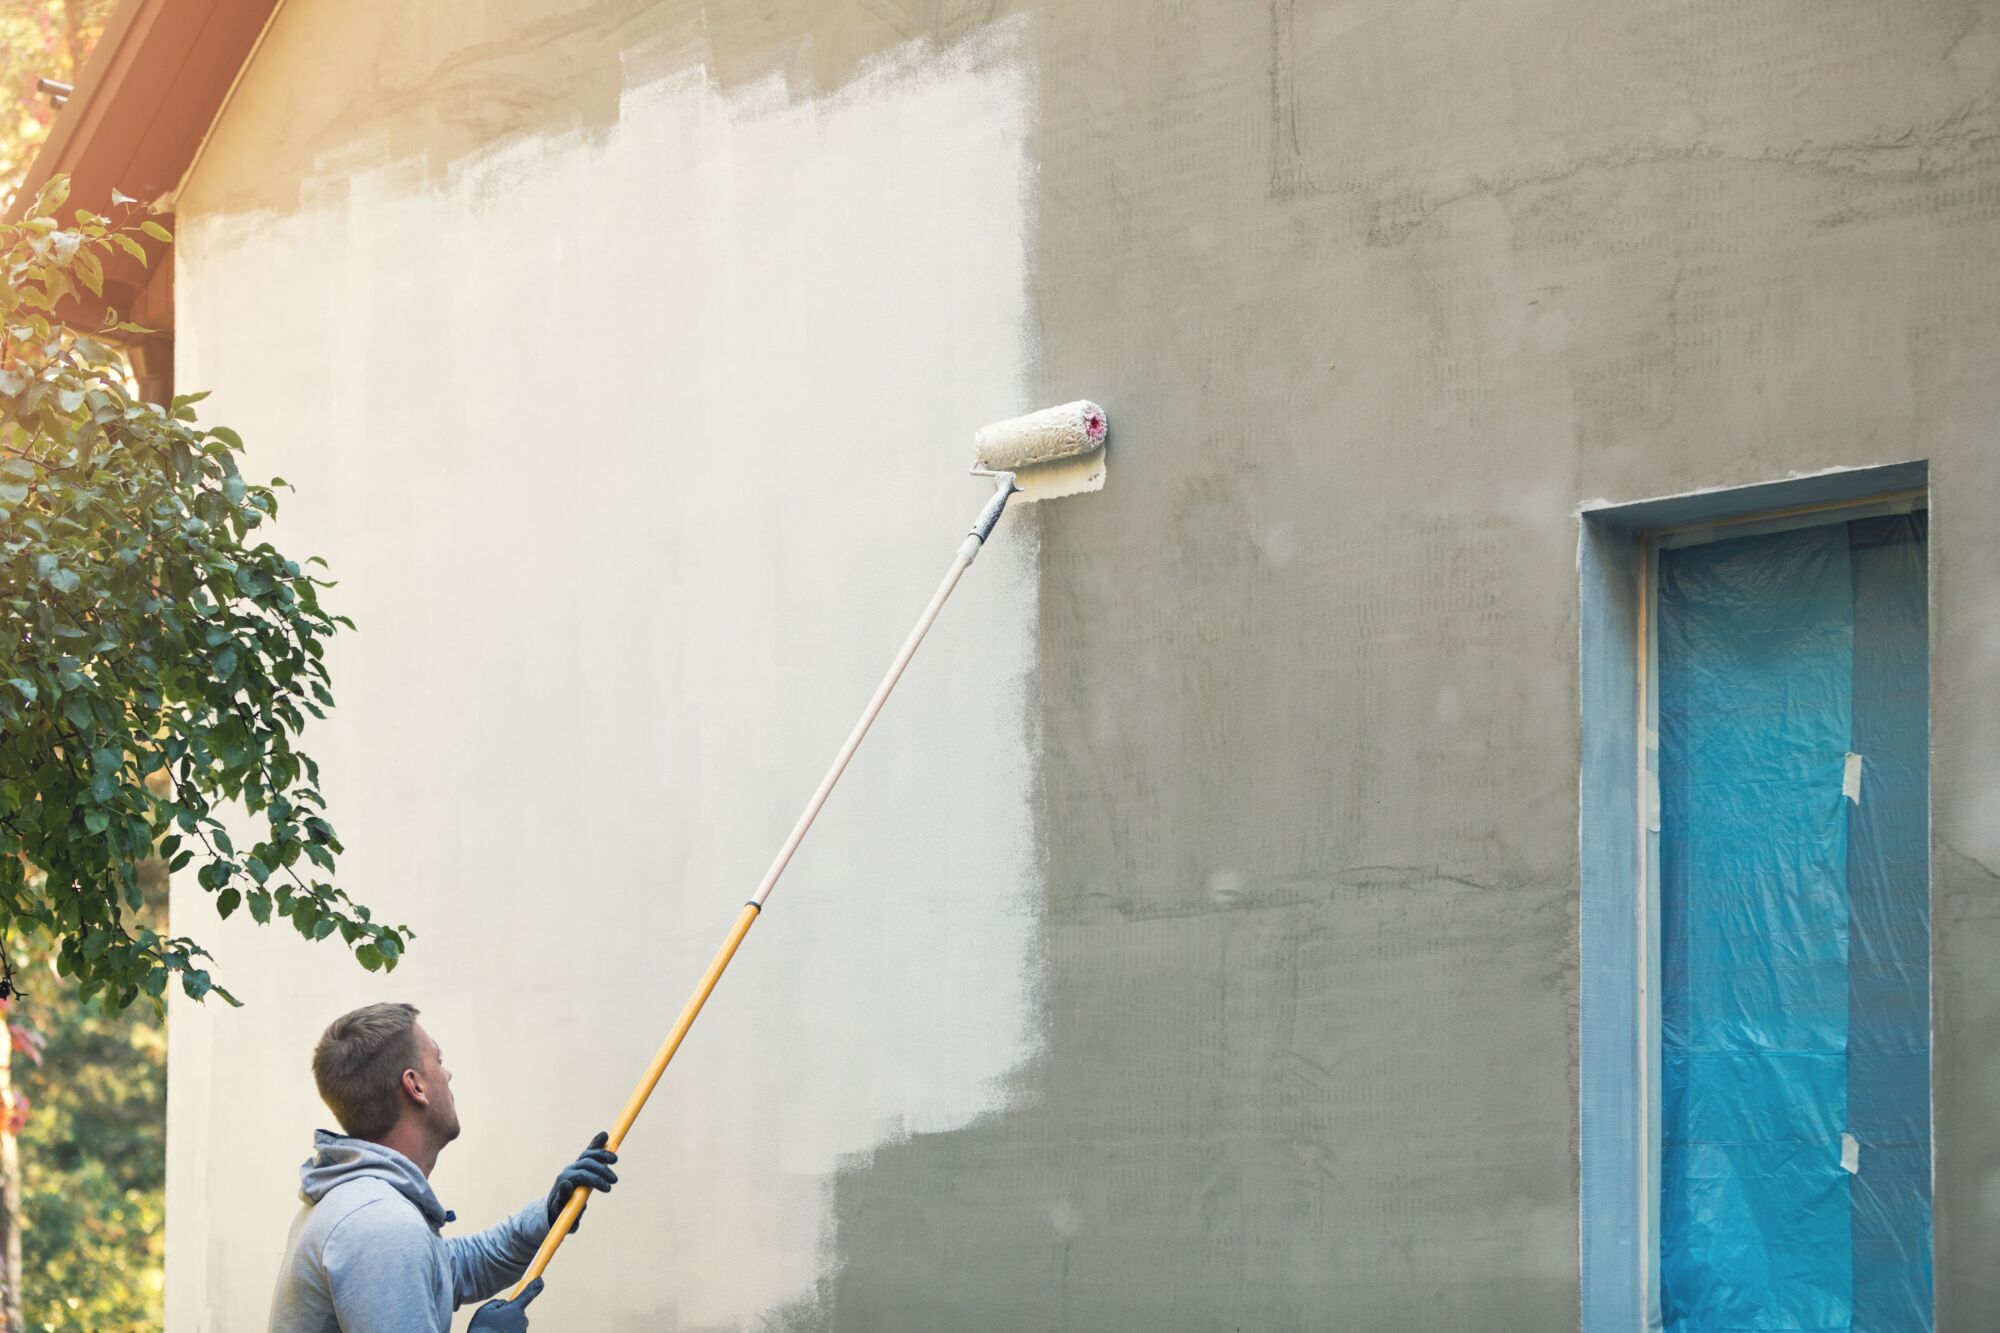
{"x":442,"y":1113}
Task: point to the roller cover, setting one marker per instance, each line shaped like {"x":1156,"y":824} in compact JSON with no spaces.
{"x":1046,"y":436}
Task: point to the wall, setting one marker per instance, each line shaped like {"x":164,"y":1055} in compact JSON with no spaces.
{"x":1264,"y":877}
{"x":633,"y":494}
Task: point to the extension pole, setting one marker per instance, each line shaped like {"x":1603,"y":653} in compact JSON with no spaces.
{"x":967,"y":552}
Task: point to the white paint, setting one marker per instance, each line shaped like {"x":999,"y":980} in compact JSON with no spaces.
{"x":1850,"y":1154}
{"x":1850,"y":778}
{"x":1062,"y":477}
{"x":635,"y":458}
{"x":1225,"y":884}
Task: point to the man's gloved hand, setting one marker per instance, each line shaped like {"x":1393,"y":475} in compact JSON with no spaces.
{"x":593,"y":1168}
{"x":505,"y":1316}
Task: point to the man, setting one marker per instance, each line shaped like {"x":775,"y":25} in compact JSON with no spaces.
{"x":366,"y":1254}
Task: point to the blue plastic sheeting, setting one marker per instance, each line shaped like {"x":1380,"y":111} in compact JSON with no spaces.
{"x":1794,"y":932}
{"x":1888,"y":882}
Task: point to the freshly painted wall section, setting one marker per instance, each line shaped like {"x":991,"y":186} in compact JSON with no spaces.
{"x":635,"y":456}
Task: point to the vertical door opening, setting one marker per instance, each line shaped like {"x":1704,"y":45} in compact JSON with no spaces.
{"x":1789,"y":680}
{"x":1674,"y":1230}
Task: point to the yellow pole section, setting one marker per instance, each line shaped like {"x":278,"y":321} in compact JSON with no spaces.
{"x":637,"y":1101}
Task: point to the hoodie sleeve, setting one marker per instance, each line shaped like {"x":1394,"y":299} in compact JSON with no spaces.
{"x":382,"y":1272}
{"x":486,"y":1261}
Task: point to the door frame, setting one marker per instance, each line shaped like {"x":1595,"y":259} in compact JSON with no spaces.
{"x":1618,"y":846}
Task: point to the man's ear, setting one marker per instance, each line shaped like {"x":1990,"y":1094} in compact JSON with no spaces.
{"x":413,"y":1087}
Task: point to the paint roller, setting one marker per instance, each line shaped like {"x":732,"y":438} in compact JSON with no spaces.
{"x":1056,"y":451}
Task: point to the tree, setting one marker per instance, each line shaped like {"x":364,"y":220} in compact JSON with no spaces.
{"x":39,"y":39}
{"x":93,"y":1152}
{"x":158,"y":660}
{"x":157,"y":663}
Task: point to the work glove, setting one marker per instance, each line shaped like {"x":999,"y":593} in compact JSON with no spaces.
{"x":593,"y":1168}
{"x":505,"y":1316}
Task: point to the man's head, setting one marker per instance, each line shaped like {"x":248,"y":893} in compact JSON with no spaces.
{"x":383,"y":1077}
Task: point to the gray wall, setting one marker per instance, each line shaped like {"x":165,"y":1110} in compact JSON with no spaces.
{"x":1377,"y":294}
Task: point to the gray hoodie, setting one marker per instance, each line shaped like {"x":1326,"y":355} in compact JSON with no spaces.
{"x":366,"y":1256}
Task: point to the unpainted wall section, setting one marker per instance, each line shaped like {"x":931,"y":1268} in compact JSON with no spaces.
{"x":1377,"y":295}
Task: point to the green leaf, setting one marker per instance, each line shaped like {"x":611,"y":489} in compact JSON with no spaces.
{"x":196,"y":983}
{"x":86,"y":267}
{"x":125,"y":537}
{"x":76,"y":711}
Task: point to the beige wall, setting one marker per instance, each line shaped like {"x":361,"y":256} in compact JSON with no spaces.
{"x":635,"y":451}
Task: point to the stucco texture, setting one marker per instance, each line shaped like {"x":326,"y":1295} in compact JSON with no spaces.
{"x":1201,"y":932}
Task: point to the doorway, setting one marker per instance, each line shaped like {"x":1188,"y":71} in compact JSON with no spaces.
{"x":1790,"y":703}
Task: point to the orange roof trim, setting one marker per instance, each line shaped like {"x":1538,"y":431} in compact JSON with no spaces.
{"x":145,"y":99}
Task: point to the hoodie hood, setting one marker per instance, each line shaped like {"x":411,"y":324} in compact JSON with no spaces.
{"x":338,"y":1159}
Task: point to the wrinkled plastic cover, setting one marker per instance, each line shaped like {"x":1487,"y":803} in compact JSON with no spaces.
{"x":1795,"y":1050}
